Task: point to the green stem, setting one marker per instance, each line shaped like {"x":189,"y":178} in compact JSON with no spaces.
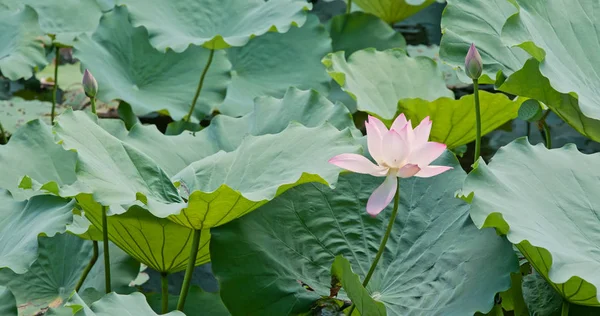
{"x":55,"y":88}
{"x":547,"y":134}
{"x":189,"y":271}
{"x":3,"y":139}
{"x":477,"y":119}
{"x":383,"y":243}
{"x":106,"y":253}
{"x":93,"y":103}
{"x":565,"y":309}
{"x":89,"y":267}
{"x":200,"y":83}
{"x":349,"y":7}
{"x":164,"y":281}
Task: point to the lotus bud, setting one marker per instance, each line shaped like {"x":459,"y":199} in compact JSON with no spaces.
{"x":473,"y":63}
{"x":90,"y":86}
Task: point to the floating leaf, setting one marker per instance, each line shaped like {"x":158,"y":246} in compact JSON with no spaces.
{"x":270,"y":64}
{"x":15,"y":112}
{"x":115,"y":304}
{"x":433,"y":51}
{"x":392,"y":11}
{"x":21,"y":50}
{"x":436,"y":261}
{"x":342,"y":270}
{"x":69,"y":75}
{"x":526,"y":187}
{"x":378,"y":80}
{"x":213,"y":23}
{"x":455,"y":119}
{"x":149,"y":80}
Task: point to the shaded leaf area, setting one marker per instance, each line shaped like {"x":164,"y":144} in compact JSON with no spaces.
{"x":527,"y":187}
{"x":21,"y":222}
{"x":65,"y":20}
{"x":8,"y":305}
{"x":341,"y":270}
{"x":69,"y":78}
{"x":109,"y":305}
{"x":147,"y":79}
{"x":378,"y":80}
{"x":17,"y":111}
{"x":436,"y":261}
{"x":21,"y":49}
{"x":213,"y":24}
{"x":270,"y":64}
{"x":198,"y":302}
{"x":51,"y":279}
{"x":455,"y":119}
{"x":392,"y":11}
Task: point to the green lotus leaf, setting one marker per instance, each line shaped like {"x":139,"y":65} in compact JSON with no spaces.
{"x":21,"y":49}
{"x":436,"y":261}
{"x":378,"y":80}
{"x":214,"y":24}
{"x":433,"y":51}
{"x":128,"y":68}
{"x":479,"y":22}
{"x":15,"y":112}
{"x":341,"y":271}
{"x":156,"y":242}
{"x":198,"y":302}
{"x":69,"y":75}
{"x":22,"y":222}
{"x":65,"y":19}
{"x":53,"y":276}
{"x":270,"y":64}
{"x":454,"y":120}
{"x":359,"y":30}
{"x":8,"y":304}
{"x":392,"y":11}
{"x":529,"y":186}
{"x":114,"y":304}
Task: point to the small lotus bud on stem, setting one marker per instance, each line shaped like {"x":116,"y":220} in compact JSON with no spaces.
{"x":90,"y":86}
{"x":473,"y":63}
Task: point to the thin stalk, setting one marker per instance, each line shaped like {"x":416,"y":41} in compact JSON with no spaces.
{"x":55,"y":88}
{"x":547,"y":134}
{"x":477,"y":119}
{"x":189,"y":271}
{"x":200,"y":83}
{"x":3,"y":139}
{"x":565,"y":309}
{"x":106,"y":253}
{"x":164,"y":281}
{"x":93,"y":103}
{"x":349,"y":7}
{"x":383,"y":243}
{"x":89,"y":267}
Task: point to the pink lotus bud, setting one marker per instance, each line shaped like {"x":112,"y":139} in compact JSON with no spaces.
{"x":90,"y":86}
{"x":473,"y":63}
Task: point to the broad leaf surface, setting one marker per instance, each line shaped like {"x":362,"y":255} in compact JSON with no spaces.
{"x":69,"y":75}
{"x":270,"y":64}
{"x":544,"y":201}
{"x":128,"y":68}
{"x":114,"y":304}
{"x":451,"y":77}
{"x":8,"y":304}
{"x":378,"y":80}
{"x":16,"y":112}
{"x":198,"y":302}
{"x":341,"y":271}
{"x":392,"y":11}
{"x":21,"y":49}
{"x":359,"y":30}
{"x":564,"y":36}
{"x":436,"y":261}
{"x":215,"y":24}
{"x":455,"y":119}
{"x":22,"y":222}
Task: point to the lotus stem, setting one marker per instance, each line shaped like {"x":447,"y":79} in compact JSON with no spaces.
{"x":164,"y":281}
{"x":349,"y":7}
{"x":55,"y":88}
{"x":3,"y":139}
{"x":189,"y":271}
{"x":93,"y":103}
{"x":106,"y":252}
{"x":89,"y":267}
{"x":565,"y":308}
{"x":200,"y":83}
{"x":477,"y":119}
{"x":547,"y":135}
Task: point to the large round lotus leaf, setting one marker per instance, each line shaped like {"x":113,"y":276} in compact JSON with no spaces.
{"x":215,"y":24}
{"x":454,"y":120}
{"x":480,"y":22}
{"x":433,"y":51}
{"x":359,"y":30}
{"x":270,"y":64}
{"x":392,"y":11}
{"x":22,"y":222}
{"x":65,"y":19}
{"x":69,"y":75}
{"x":33,"y":154}
{"x":53,"y":276}
{"x":15,"y":112}
{"x":544,"y":201}
{"x":21,"y":49}
{"x":378,"y":80}
{"x":436,"y":261}
{"x":565,"y":38}
{"x":128,"y":68}
{"x":113,"y":304}
{"x":8,"y":304}
{"x":156,"y":242}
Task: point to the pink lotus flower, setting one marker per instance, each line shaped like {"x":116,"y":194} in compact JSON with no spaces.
{"x":401,"y":152}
